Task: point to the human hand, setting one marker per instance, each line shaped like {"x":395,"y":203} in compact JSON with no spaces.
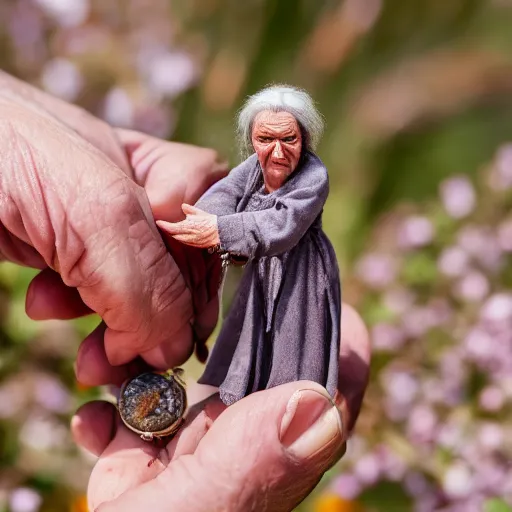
{"x":265,"y":452}
{"x":73,"y":205}
{"x":199,"y":229}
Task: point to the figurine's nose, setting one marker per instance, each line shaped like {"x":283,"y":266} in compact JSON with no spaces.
{"x":278,"y":150}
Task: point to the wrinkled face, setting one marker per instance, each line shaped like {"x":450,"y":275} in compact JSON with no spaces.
{"x":277,"y":140}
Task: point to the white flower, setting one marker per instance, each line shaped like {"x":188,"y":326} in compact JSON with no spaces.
{"x":62,"y":78}
{"x":68,"y":13}
{"x":458,"y":481}
{"x":25,"y":499}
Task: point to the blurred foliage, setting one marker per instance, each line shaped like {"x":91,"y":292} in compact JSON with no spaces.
{"x":413,"y":94}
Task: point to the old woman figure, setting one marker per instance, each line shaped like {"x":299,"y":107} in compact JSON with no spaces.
{"x":284,"y":322}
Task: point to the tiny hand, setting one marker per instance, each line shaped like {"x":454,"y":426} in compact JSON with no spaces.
{"x":199,"y":229}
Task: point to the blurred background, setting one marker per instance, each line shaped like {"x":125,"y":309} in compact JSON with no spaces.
{"x":417,"y":98}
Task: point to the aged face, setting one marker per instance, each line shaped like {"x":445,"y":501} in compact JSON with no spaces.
{"x":277,"y":140}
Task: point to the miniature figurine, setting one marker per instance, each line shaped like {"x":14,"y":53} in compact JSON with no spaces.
{"x":284,"y":324}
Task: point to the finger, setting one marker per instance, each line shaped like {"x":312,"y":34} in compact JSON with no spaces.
{"x":170,"y":354}
{"x":123,"y":464}
{"x":199,"y":420}
{"x":188,"y":209}
{"x":49,"y":298}
{"x":94,"y":426}
{"x":266,"y":451}
{"x":112,"y":251}
{"x":354,"y":365}
{"x":128,"y":455}
{"x":172,"y":173}
{"x":93,"y":367}
{"x":174,"y":228}
{"x":189,"y":239}
{"x":206,"y":319}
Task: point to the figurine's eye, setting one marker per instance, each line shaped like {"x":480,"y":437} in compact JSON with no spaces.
{"x":292,"y":138}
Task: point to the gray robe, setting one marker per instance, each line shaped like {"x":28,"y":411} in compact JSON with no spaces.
{"x":284,"y":324}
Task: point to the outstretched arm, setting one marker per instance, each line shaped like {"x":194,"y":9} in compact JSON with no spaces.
{"x":261,"y":233}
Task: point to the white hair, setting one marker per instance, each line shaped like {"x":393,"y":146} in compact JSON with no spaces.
{"x":279,"y":98}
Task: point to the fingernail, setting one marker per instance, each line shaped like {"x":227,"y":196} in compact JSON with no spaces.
{"x":310,"y":424}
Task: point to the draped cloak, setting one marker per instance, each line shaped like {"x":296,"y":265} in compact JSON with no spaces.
{"x":284,"y":323}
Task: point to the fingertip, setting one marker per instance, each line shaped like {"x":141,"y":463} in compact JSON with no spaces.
{"x":172,"y":353}
{"x":93,"y":367}
{"x":93,"y":426}
{"x":49,"y":298}
{"x":166,"y":227}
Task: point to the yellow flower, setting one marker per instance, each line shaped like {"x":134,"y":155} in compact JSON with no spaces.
{"x":80,"y":504}
{"x":333,"y":503}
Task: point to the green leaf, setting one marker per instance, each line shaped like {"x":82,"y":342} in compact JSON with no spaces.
{"x":496,"y":505}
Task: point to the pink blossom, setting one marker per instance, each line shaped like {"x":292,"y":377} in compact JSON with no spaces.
{"x":450,"y":435}
{"x":154,"y":120}
{"x":504,"y":235}
{"x":51,"y":394}
{"x":482,"y":245}
{"x":13,"y":398}
{"x":401,"y":386}
{"x":171,"y":73}
{"x":68,"y":13}
{"x":453,"y":261}
{"x":398,"y":300}
{"x":421,"y":424}
{"x":377,"y":270}
{"x":367,"y":469}
{"x":118,"y":109}
{"x":419,"y":320}
{"x":479,"y":344}
{"x":416,"y":231}
{"x":401,"y":390}
{"x":458,"y":196}
{"x":473,"y":287}
{"x":492,"y":398}
{"x":416,"y":484}
{"x":392,"y":466}
{"x":497,"y":308}
{"x":491,"y":436}
{"x":42,"y":432}
{"x":347,"y":486}
{"x":62,"y":78}
{"x":387,"y":337}
{"x":458,"y":481}
{"x":502,"y":176}
{"x":25,"y":499}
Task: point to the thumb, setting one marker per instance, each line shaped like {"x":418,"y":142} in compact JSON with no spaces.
{"x":188,"y":209}
{"x":265,"y":452}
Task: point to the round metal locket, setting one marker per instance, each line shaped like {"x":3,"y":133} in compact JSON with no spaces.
{"x":153,"y":404}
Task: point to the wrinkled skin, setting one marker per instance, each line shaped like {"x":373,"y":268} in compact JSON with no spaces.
{"x":75,"y":201}
{"x":78,"y":201}
{"x":234,"y":459}
{"x":277,"y":140}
